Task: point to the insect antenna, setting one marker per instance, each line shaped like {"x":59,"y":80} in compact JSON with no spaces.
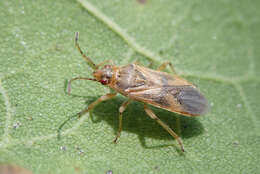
{"x":88,"y":60}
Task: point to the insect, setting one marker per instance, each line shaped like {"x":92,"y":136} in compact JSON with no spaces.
{"x":154,"y":87}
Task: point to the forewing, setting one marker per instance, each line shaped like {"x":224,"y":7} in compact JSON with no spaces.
{"x":160,"y":89}
{"x":186,"y":100}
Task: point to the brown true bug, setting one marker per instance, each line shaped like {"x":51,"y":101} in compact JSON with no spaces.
{"x":153,"y":87}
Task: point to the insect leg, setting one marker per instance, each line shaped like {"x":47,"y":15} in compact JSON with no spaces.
{"x":149,"y":66}
{"x":77,"y":78}
{"x":163,"y":66}
{"x":99,"y":100}
{"x":88,"y":60}
{"x":166,"y":127}
{"x":104,"y":62}
{"x":91,"y":106}
{"x":121,"y":110}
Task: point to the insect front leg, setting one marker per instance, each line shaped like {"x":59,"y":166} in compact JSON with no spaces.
{"x":121,"y":110}
{"x":77,"y":78}
{"x":99,"y":100}
{"x":165,"y":126}
{"x":104,"y":62}
{"x":163,"y":66}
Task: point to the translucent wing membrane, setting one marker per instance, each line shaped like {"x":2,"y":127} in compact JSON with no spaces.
{"x":192,"y":101}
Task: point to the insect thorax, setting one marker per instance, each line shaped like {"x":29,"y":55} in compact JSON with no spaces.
{"x":129,"y":77}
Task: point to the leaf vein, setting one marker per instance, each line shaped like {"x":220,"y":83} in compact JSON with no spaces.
{"x":8,"y":106}
{"x":118,"y":30}
{"x":248,"y":107}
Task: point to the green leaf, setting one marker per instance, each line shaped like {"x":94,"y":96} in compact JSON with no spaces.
{"x":215,"y":45}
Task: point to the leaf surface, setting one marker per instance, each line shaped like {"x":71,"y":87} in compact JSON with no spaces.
{"x":215,"y":45}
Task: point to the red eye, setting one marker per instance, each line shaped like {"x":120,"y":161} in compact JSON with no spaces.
{"x":104,"y":81}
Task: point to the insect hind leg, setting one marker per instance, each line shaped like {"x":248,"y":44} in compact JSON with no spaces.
{"x":165,"y":126}
{"x":121,"y":110}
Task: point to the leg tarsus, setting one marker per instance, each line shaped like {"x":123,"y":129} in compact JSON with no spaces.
{"x":165,"y":126}
{"x":121,"y":110}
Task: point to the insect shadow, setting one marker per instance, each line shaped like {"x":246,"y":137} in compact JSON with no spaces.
{"x":135,"y":120}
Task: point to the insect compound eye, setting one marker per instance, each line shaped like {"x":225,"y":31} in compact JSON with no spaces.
{"x":104,"y":81}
